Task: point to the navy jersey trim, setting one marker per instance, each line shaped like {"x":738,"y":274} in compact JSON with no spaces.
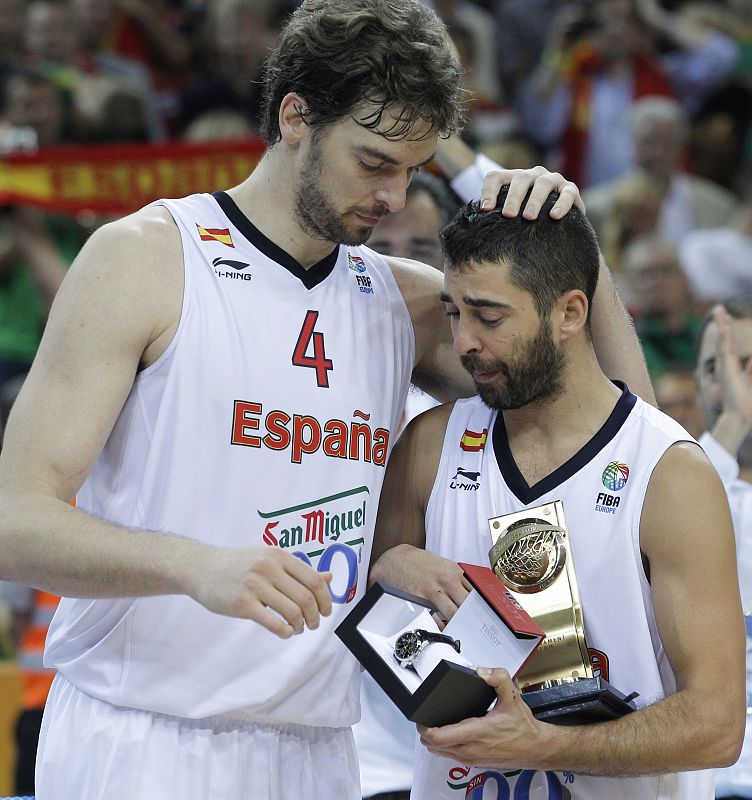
{"x":310,"y":277}
{"x":513,"y":477}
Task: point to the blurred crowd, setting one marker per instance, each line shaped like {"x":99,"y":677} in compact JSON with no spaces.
{"x":646,"y":105}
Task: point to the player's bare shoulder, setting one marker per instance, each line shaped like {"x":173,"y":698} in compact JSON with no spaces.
{"x":417,"y":281}
{"x":418,"y":450}
{"x":132,"y":267}
{"x":421,"y":287}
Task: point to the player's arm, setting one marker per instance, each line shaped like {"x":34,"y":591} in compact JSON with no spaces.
{"x":398,"y":557}
{"x":117,"y":309}
{"x":615,"y":341}
{"x":687,"y":541}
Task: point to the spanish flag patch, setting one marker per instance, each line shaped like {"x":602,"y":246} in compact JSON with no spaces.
{"x":472,"y":441}
{"x":215,"y":235}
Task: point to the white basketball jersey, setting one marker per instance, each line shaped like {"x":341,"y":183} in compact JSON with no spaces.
{"x":602,"y":488}
{"x":266,"y":422}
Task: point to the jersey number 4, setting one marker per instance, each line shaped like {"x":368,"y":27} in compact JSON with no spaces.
{"x":318,"y":360}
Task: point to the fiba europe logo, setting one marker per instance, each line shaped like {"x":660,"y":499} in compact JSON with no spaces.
{"x":356,"y":263}
{"x":615,"y":476}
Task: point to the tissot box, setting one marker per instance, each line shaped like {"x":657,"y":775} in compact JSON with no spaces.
{"x":439,"y":686}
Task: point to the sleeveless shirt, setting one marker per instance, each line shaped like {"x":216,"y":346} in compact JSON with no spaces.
{"x":266,"y":422}
{"x":602,"y":488}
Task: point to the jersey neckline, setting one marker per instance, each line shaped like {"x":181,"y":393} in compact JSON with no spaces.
{"x":310,"y":277}
{"x":513,"y":477}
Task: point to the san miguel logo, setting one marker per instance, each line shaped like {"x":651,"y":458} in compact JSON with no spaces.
{"x":304,"y":434}
{"x":325,"y":534}
{"x":472,"y":442}
{"x":221,"y":235}
{"x":522,"y":784}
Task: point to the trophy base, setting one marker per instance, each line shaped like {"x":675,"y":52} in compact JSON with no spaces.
{"x":578,"y":702}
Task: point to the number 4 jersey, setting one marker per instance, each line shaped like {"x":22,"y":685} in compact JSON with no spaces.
{"x":266,"y":423}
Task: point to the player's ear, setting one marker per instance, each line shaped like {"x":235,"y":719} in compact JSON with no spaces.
{"x":571,"y":312}
{"x":292,"y":124}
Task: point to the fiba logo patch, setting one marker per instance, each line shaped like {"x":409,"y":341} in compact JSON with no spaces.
{"x":356,"y":263}
{"x":358,"y":266}
{"x":615,"y":476}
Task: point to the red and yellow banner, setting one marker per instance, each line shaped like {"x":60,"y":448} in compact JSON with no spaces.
{"x":119,"y":179}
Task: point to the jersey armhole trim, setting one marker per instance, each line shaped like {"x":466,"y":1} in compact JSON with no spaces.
{"x":164,"y":357}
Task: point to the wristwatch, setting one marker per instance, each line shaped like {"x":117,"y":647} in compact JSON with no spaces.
{"x":409,"y":644}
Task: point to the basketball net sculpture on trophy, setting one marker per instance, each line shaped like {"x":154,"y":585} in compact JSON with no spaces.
{"x":532,"y":557}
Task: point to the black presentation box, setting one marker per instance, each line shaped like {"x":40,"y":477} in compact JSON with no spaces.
{"x":493,"y":629}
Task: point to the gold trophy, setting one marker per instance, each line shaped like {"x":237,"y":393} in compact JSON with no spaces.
{"x":531,"y":556}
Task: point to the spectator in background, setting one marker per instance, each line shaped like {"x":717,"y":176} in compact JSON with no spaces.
{"x":472,"y":29}
{"x":659,"y":130}
{"x":153,"y":33}
{"x":94,"y":57}
{"x":63,"y":40}
{"x":521,"y":31}
{"x":634,"y":210}
{"x":514,"y":148}
{"x":238,"y":35}
{"x":217,"y":125}
{"x":31,"y":613}
{"x":666,"y":316}
{"x":597,"y":61}
{"x":718,"y":261}
{"x":11,"y":37}
{"x":722,"y":134}
{"x":35,"y":248}
{"x":724,"y":378}
{"x":414,"y":232}
{"x":676,"y":395}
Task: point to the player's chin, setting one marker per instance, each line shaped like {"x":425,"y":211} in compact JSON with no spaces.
{"x":356,"y":235}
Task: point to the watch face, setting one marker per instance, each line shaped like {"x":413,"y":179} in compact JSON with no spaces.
{"x":406,"y":646}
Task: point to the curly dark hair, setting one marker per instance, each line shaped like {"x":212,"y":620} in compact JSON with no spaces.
{"x":338,"y":54}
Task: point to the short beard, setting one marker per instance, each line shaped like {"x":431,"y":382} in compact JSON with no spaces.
{"x":534,"y":373}
{"x":314,"y":210}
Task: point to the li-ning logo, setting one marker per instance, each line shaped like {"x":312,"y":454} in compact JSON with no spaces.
{"x":615,"y":476}
{"x":238,"y":266}
{"x":466,"y":480}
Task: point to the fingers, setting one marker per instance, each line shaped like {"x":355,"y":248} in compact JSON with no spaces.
{"x":317,"y":583}
{"x":446,"y":736}
{"x":275,"y":624}
{"x":447,"y":601}
{"x":500,"y":680}
{"x":294,"y":602}
{"x":519,"y":181}
{"x":285,"y":595}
